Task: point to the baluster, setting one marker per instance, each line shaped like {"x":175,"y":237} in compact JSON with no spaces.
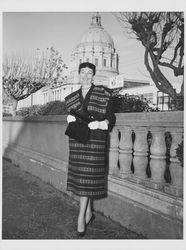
{"x":113,"y":152}
{"x":158,"y":156}
{"x":176,"y":134}
{"x":175,"y":167}
{"x":125,"y":151}
{"x":140,"y":159}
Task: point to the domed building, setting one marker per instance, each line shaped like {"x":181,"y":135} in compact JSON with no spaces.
{"x":96,"y":46}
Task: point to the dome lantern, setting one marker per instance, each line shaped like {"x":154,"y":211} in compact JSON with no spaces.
{"x":96,"y":20}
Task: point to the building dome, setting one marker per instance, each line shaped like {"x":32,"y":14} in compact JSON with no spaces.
{"x":97,"y":35}
{"x":96,"y":32}
{"x":95,"y":46}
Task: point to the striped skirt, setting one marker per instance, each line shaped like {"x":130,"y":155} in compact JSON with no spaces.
{"x":87,"y":169}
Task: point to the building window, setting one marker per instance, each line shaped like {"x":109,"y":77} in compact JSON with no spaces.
{"x":87,"y":59}
{"x":80,"y":61}
{"x":60,"y":96}
{"x":160,"y":100}
{"x":163,"y":101}
{"x":54,"y":93}
{"x":45,"y":98}
{"x":166,"y":99}
{"x":104,"y":62}
{"x":96,"y":61}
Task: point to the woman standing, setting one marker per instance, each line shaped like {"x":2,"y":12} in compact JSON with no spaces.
{"x":87,"y":170}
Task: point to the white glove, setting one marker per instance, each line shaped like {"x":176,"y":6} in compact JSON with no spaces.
{"x":71,"y":118}
{"x":103,"y":125}
{"x":93,"y":125}
{"x":98,"y":125}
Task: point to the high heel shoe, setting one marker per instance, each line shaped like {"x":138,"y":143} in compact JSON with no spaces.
{"x":91,"y":219}
{"x":81,"y":234}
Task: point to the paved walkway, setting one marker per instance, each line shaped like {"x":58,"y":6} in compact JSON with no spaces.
{"x":33,"y":209}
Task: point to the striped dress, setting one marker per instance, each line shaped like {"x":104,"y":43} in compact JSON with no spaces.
{"x":87,"y":174}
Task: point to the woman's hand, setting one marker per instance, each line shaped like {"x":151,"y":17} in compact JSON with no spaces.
{"x":98,"y":125}
{"x":93,"y":125}
{"x":103,"y":125}
{"x":71,"y":118}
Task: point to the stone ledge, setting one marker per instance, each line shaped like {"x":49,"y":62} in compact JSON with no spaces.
{"x":150,"y":199}
{"x":137,"y":218}
{"x":44,"y":118}
{"x":33,"y":156}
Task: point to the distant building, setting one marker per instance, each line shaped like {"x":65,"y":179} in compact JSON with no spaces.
{"x":146,"y":91}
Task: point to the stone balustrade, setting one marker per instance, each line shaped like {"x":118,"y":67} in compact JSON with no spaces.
{"x":140,"y":152}
{"x":145,"y":180}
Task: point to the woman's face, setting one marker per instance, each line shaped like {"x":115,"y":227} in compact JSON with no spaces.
{"x":86,"y":76}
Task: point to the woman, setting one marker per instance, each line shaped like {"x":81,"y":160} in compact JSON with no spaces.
{"x":87,"y":170}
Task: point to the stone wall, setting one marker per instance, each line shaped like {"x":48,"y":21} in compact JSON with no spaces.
{"x":145,"y":204}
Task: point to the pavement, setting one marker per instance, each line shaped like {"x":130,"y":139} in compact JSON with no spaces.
{"x":33,"y":209}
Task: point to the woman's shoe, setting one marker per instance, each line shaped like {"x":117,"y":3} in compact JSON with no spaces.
{"x":81,"y":234}
{"x":91,"y":219}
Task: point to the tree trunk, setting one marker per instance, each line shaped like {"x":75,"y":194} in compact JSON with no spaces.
{"x":14,"y":106}
{"x":158,"y":78}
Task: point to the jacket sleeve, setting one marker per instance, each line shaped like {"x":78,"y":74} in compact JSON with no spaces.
{"x":72,"y":101}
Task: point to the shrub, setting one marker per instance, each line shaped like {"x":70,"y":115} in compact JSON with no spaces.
{"x":54,"y":108}
{"x":130,"y":104}
{"x":177,"y":103}
{"x":29,"y":111}
{"x":51,"y":108}
{"x":6,"y":114}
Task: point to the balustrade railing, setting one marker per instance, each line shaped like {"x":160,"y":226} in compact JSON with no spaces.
{"x":140,"y":151}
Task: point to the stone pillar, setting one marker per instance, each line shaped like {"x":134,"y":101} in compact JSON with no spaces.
{"x":175,"y":167}
{"x":113,"y":152}
{"x":158,"y":155}
{"x":125,"y":151}
{"x":140,"y":159}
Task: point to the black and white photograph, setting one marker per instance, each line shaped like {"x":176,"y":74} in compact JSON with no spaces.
{"x":93,"y":127}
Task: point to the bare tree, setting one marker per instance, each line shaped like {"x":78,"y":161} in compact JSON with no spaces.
{"x":162,"y":35}
{"x":24,"y":76}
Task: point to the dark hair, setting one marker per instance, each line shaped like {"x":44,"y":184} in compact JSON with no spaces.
{"x":89,"y":65}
